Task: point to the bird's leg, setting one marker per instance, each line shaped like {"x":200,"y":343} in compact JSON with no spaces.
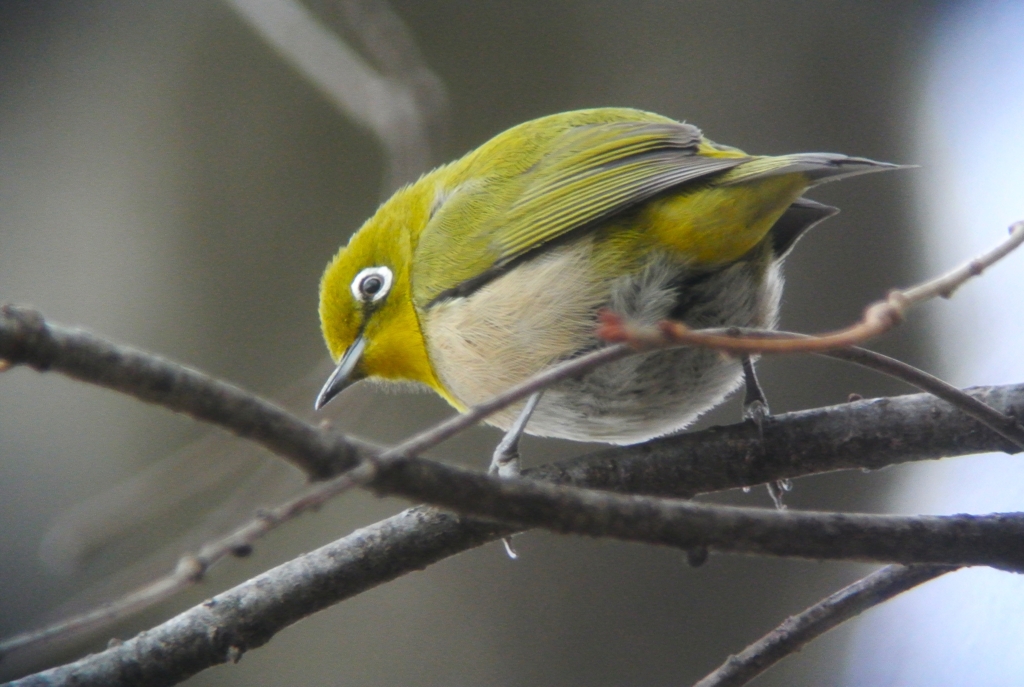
{"x":776,"y":489}
{"x":755,"y":408}
{"x":505,"y":462}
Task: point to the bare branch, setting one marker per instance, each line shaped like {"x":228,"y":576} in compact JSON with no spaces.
{"x":190,"y":570}
{"x":24,"y":337}
{"x":799,"y":630}
{"x":994,"y":540}
{"x":904,"y":428}
{"x":247,"y":616}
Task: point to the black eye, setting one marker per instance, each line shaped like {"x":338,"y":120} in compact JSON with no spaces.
{"x":372,"y":284}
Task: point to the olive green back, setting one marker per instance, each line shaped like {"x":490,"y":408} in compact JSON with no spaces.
{"x":540,"y":181}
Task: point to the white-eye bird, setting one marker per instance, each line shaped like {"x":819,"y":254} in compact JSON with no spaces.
{"x":493,"y":267}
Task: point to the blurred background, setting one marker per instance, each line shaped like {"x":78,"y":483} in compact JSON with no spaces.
{"x":169,"y":181}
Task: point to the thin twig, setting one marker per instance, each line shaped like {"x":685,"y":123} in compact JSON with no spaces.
{"x":540,"y":381}
{"x":1004,"y":425}
{"x":944,"y":286}
{"x":878,"y":318}
{"x":190,"y":570}
{"x":799,"y":630}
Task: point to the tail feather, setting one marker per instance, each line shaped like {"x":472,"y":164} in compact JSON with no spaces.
{"x":818,"y":167}
{"x":803,"y":214}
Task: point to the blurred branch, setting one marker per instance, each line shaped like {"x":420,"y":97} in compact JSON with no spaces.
{"x":386,"y":39}
{"x":799,"y":630}
{"x":399,"y":107}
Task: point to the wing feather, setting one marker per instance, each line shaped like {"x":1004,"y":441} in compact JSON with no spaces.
{"x":587,"y":174}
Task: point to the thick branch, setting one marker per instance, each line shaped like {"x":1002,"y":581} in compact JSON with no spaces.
{"x":223,"y":628}
{"x":1004,"y":425}
{"x":686,"y":464}
{"x":247,"y":616}
{"x":996,"y":540}
{"x":868,"y":434}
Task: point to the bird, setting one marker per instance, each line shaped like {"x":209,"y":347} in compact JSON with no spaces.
{"x":494,"y":267}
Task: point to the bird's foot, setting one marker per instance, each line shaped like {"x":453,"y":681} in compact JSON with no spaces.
{"x":776,"y":490}
{"x":505,"y":461}
{"x":755,"y":405}
{"x":755,"y":409}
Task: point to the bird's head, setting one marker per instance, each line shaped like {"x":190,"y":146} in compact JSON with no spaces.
{"x":367,"y":314}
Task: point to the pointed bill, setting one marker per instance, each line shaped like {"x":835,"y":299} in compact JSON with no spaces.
{"x":342,"y":376}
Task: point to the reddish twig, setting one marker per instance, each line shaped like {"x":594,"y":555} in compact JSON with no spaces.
{"x":878,"y":318}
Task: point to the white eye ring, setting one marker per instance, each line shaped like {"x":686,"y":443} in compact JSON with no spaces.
{"x":372,"y":284}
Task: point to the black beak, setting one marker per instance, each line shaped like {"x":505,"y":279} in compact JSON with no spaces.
{"x":342,"y":377}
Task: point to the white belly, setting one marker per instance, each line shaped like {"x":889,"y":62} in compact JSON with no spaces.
{"x":543,"y":311}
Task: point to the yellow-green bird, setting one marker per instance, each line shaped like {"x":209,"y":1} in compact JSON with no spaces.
{"x":493,"y":267}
